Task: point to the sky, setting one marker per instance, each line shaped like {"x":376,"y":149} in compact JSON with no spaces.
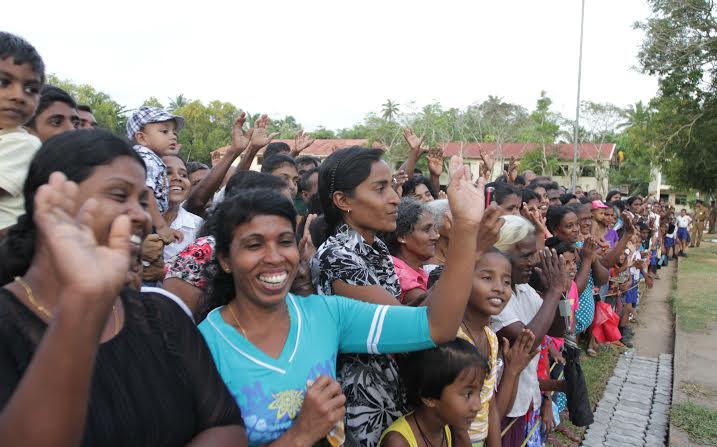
{"x":329,"y":62}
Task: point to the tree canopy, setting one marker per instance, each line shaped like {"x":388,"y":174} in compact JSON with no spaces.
{"x":680,"y":48}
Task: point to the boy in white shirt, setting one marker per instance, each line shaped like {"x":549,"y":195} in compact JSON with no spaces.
{"x":683,"y":232}
{"x":22,"y":75}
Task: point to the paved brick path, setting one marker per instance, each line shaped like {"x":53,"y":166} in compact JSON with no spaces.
{"x":634,"y":410}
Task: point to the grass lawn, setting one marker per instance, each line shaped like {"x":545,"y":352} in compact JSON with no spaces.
{"x":700,"y":423}
{"x":693,"y":298}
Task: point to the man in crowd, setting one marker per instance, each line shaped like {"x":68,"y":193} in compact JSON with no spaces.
{"x":87,"y":119}
{"x":698,"y":224}
{"x":56,"y":113}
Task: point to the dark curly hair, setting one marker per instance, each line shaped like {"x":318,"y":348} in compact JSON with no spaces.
{"x":410,"y":185}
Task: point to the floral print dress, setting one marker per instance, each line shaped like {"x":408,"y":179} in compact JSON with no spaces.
{"x":375,"y":397}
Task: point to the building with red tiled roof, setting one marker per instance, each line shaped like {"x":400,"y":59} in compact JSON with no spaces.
{"x":595,"y":158}
{"x":319,"y":148}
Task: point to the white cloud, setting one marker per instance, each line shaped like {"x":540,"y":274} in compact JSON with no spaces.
{"x":330,"y":62}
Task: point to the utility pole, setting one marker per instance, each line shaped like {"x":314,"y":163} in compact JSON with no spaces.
{"x":577,"y":106}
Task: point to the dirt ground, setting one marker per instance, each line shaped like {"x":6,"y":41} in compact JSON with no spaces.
{"x":654,"y":332}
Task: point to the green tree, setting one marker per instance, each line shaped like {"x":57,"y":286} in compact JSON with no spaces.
{"x":322,"y":133}
{"x":152,"y":102}
{"x":178,"y":102}
{"x":637,"y":144}
{"x":542,"y":127}
{"x":287,"y":127}
{"x":390,"y":110}
{"x":356,"y":132}
{"x":206,"y":128}
{"x":679,"y":48}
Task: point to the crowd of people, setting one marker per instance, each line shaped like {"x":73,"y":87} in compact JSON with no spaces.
{"x":147,"y":300}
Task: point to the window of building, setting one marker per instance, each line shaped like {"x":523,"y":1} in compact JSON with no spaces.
{"x":681,"y":199}
{"x":588,"y":171}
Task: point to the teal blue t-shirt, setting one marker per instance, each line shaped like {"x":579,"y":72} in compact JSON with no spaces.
{"x":270,"y":391}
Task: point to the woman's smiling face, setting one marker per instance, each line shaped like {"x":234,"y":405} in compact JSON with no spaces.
{"x":263,"y":259}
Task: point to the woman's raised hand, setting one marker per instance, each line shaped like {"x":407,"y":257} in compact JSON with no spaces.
{"x":414,"y":142}
{"x":466,"y":200}
{"x":87,"y":270}
{"x":240,"y":140}
{"x":260,"y":135}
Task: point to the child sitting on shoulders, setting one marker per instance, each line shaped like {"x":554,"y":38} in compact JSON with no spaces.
{"x":155,"y":132}
{"x":22,"y":74}
{"x":443,"y":386}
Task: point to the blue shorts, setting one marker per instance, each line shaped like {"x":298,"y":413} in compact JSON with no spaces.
{"x":669,"y":242}
{"x":631,"y":295}
{"x":683,"y":234}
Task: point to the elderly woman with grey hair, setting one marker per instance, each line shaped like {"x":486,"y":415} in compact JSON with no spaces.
{"x":527,"y":310}
{"x":411,"y":245}
{"x":442,"y":222}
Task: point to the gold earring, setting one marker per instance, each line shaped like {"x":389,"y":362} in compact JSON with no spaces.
{"x":349,"y":211}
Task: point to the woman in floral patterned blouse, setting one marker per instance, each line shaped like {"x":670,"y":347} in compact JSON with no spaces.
{"x":358,"y":201}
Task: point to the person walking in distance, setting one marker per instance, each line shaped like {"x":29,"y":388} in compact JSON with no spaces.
{"x":698,"y":225}
{"x":713,"y":217}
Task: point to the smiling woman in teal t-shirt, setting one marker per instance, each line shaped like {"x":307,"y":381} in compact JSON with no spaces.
{"x":270,"y":346}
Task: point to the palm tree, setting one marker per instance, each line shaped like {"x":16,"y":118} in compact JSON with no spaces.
{"x":178,"y":102}
{"x":390,"y":110}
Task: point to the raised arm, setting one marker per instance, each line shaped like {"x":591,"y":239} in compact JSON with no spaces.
{"x":301,"y":141}
{"x":416,"y":148}
{"x":203,"y":192}
{"x":260,"y":137}
{"x":448,"y":298}
{"x":435,"y":168}
{"x":612,"y":257}
{"x":548,"y":319}
{"x":587,"y":256}
{"x":54,"y":390}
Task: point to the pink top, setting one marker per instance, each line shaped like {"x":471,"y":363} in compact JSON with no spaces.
{"x":409,"y":278}
{"x":573,"y":300}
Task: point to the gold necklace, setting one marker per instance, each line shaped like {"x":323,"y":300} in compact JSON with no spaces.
{"x":31,"y":297}
{"x":236,"y":320}
{"x":48,"y":314}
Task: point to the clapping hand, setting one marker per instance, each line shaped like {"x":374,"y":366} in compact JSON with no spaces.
{"x":518,"y":356}
{"x":467,"y":202}
{"x":486,"y":166}
{"x":588,"y":253}
{"x":240,"y":140}
{"x":512,"y":173}
{"x":553,"y":272}
{"x":261,"y":137}
{"x":399,"y":178}
{"x":534,"y":215}
{"x":414,"y":143}
{"x":91,"y":273}
{"x":302,"y":282}
{"x":301,"y":141}
{"x":435,"y":162}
